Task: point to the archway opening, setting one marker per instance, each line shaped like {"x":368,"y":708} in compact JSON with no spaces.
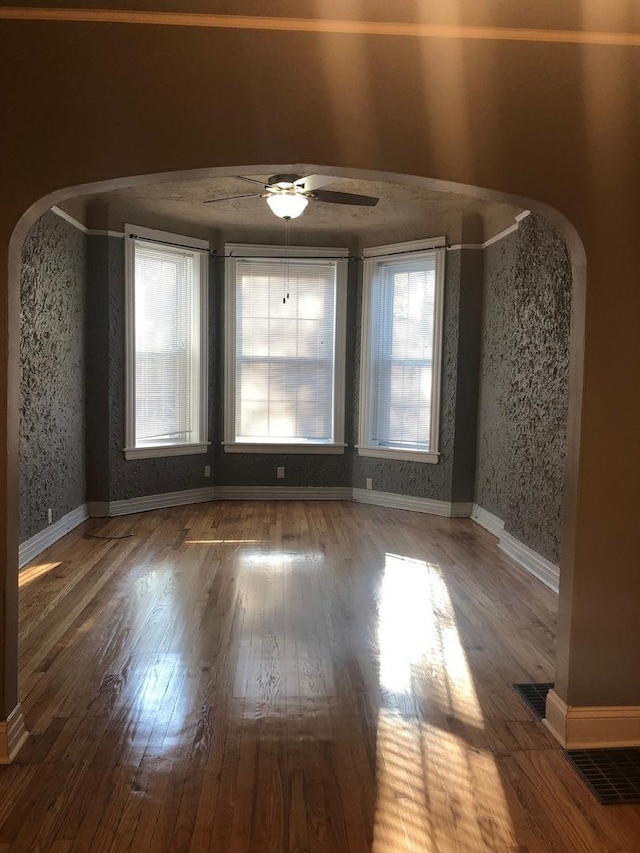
{"x":467,"y":235}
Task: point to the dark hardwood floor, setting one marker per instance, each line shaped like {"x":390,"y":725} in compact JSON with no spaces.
{"x":290,"y":677}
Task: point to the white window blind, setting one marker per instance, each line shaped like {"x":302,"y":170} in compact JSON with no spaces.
{"x":285,"y":331}
{"x":167,"y":345}
{"x":401,"y":356}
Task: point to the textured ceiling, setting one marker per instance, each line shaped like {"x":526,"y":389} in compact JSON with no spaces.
{"x":403,"y":213}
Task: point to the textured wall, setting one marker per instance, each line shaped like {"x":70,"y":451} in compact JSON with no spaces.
{"x":494,"y":441}
{"x":97,"y":351}
{"x":469,"y":337}
{"x":421,"y":479}
{"x":523,"y":387}
{"x":52,"y":419}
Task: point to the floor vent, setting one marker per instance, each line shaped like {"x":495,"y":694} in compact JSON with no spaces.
{"x":612,"y":775}
{"x":535,"y":696}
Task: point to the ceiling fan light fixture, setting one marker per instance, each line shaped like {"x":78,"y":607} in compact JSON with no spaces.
{"x":287,"y":205}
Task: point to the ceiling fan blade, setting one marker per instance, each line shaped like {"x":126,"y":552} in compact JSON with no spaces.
{"x":314,"y":182}
{"x":251,"y":181}
{"x":344,"y":198}
{"x":231,"y":197}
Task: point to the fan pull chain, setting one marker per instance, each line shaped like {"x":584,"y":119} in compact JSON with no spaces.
{"x":286,"y":263}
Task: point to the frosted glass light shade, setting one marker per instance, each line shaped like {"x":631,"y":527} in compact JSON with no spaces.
{"x":287,"y":205}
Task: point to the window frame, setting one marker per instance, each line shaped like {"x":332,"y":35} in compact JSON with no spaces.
{"x":373,"y":258}
{"x":137,"y":234}
{"x":242,"y":251}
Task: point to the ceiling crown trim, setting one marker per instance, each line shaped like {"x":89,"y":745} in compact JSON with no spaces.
{"x":316,"y":25}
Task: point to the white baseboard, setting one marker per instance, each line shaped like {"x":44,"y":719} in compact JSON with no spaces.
{"x":535,"y":564}
{"x":13,"y":735}
{"x":283,"y":493}
{"x":542,"y":569}
{"x":592,"y":727}
{"x":106,"y":509}
{"x":274,"y":493}
{"x":414,"y":504}
{"x":487,"y":520}
{"x":30,"y":549}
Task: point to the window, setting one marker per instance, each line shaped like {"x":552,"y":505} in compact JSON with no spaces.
{"x":401,"y":343}
{"x":285,"y":349}
{"x":166,"y":316}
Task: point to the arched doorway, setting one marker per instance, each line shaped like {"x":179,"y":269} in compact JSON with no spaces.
{"x":564,"y":227}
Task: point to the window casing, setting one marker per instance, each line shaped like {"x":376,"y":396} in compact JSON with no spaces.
{"x":166,"y":351}
{"x":285,"y":343}
{"x":401,"y":351}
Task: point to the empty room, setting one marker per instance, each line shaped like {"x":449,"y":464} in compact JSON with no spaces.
{"x":318,"y":363}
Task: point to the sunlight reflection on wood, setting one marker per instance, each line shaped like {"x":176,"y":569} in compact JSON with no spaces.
{"x":230,"y":697}
{"x":435,"y":789}
{"x":222,"y":541}
{"x":28,"y":575}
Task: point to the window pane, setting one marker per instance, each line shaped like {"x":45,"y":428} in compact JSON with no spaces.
{"x":285,"y":344}
{"x":166,"y":346}
{"x":401,"y":353}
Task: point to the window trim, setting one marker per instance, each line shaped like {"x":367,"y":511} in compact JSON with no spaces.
{"x":241,"y":251}
{"x":185,"y":243}
{"x":373,"y":257}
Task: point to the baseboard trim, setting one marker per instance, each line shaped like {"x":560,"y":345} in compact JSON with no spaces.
{"x":283,"y":493}
{"x":107,"y":509}
{"x":411,"y":503}
{"x":535,"y":564}
{"x":129,"y":506}
{"x":30,"y":549}
{"x":13,"y":734}
{"x":487,"y":520}
{"x":592,"y":727}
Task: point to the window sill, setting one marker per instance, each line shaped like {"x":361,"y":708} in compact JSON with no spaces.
{"x":307,"y":449}
{"x":165,"y":450}
{"x":400,"y":455}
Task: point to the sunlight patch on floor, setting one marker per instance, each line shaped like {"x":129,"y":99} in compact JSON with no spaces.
{"x":436,"y":789}
{"x":419,"y":642}
{"x":30,"y":574}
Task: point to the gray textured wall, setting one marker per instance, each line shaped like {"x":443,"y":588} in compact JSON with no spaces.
{"x":523,"y":384}
{"x":445,"y":480}
{"x":52,"y":410}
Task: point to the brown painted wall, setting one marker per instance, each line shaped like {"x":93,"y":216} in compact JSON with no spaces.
{"x":552,"y":122}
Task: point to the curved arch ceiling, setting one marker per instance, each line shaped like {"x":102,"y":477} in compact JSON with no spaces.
{"x":403,"y":212}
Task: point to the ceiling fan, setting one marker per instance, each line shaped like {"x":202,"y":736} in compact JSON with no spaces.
{"x":288,"y":195}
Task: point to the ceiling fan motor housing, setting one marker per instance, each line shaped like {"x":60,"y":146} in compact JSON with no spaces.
{"x":283,"y":181}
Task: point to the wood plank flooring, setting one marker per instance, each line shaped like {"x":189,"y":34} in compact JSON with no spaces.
{"x":281,"y":676}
